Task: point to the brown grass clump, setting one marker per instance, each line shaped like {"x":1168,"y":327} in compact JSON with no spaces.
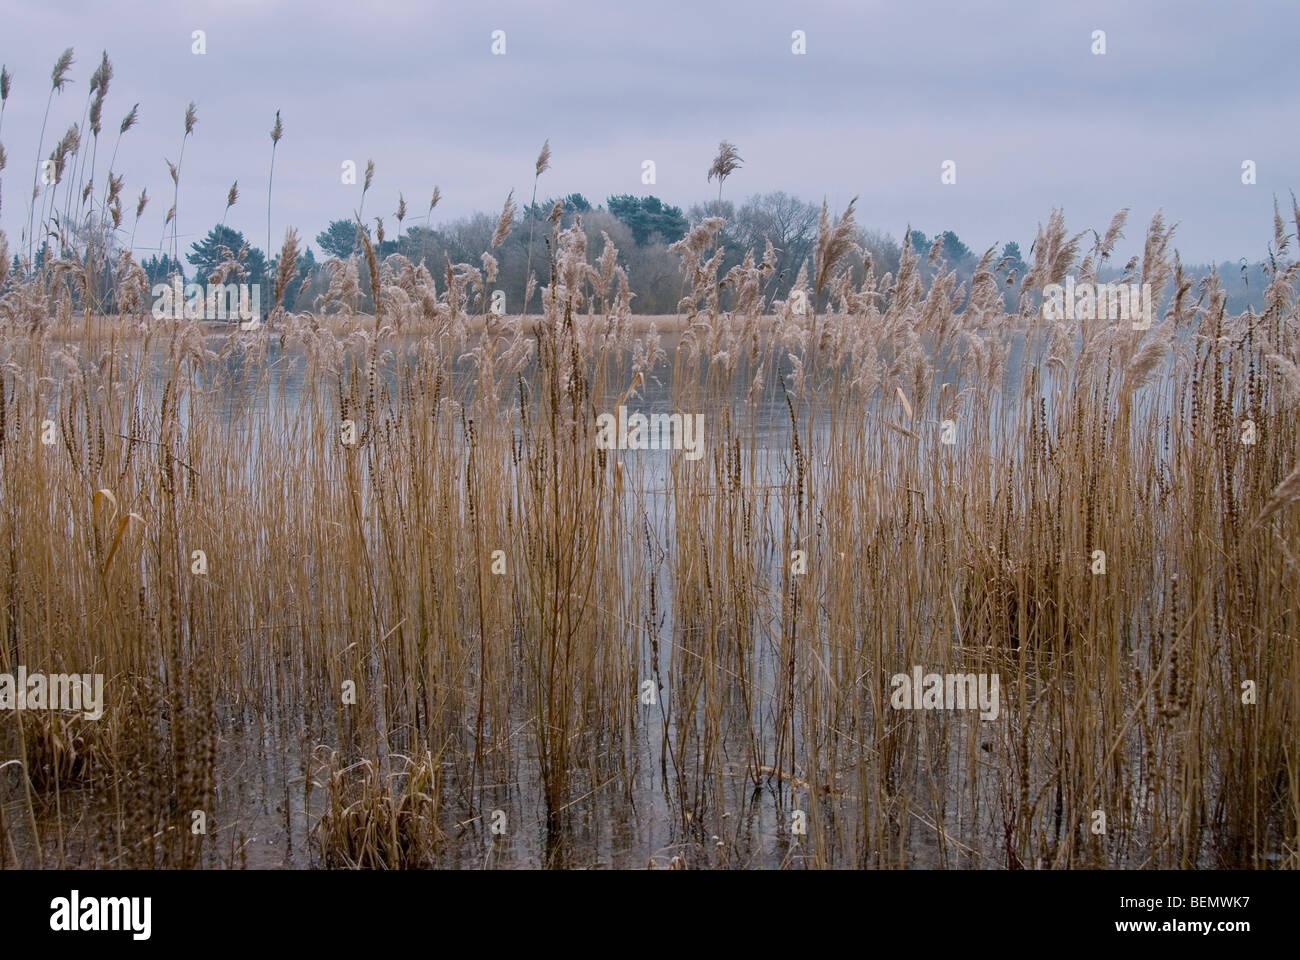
{"x":64,"y":751}
{"x":369,"y":824}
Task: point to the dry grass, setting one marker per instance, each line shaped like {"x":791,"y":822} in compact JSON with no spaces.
{"x":513,"y":681}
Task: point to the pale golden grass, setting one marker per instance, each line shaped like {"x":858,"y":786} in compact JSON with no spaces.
{"x":373,"y":567}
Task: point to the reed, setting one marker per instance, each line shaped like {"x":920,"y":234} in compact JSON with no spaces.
{"x":385,"y":559}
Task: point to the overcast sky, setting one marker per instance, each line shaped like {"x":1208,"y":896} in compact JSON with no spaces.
{"x":887,"y":91}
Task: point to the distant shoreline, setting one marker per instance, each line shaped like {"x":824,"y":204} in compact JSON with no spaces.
{"x":75,"y":328}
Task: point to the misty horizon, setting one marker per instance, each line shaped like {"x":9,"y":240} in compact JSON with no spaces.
{"x":886,"y":116}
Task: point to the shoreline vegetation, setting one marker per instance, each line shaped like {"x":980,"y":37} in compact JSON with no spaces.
{"x":470,"y":614}
{"x":366,"y":590}
{"x":108,"y":326}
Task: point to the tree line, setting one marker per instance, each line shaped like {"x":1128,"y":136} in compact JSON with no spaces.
{"x":642,"y":228}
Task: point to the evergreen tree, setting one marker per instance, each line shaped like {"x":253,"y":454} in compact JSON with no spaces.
{"x":954,"y":251}
{"x":339,"y":239}
{"x":1012,"y":260}
{"x":223,"y":243}
{"x":647,"y":217}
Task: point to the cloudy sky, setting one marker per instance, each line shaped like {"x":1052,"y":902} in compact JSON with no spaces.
{"x":886,"y":92}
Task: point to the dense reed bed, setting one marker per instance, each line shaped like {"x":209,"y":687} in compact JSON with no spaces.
{"x":465,"y":634}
